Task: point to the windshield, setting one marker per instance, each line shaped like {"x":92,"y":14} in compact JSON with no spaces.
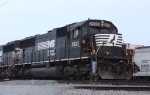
{"x":100,"y":30}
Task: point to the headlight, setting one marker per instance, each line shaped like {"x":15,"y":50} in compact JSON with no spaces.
{"x":107,"y":52}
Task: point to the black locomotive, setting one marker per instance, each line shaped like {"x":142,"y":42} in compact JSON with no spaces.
{"x":65,"y":53}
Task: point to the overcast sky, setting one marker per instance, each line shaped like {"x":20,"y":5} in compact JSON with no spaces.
{"x":23,"y":18}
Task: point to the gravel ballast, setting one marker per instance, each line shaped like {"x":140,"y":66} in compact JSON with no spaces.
{"x":51,"y":87}
{"x":110,"y":92}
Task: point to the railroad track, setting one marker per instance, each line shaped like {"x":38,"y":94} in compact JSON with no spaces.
{"x":100,"y":82}
{"x":109,"y":82}
{"x":118,"y":85}
{"x":118,"y":88}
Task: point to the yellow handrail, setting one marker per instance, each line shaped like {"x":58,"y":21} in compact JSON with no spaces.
{"x":98,"y":49}
{"x":132,"y":59}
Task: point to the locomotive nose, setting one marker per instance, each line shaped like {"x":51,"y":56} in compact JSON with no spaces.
{"x":108,"y":44}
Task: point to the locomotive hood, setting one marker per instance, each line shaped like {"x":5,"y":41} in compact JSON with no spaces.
{"x":108,"y":44}
{"x":108,"y":40}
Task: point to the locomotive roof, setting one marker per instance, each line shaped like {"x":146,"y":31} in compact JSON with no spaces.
{"x":77,"y":24}
{"x":12,"y":42}
{"x":28,"y":38}
{"x":74,"y":26}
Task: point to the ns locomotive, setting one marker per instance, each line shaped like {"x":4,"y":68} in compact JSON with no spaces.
{"x":65,"y":53}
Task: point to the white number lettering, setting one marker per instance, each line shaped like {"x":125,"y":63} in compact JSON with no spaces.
{"x":74,"y":44}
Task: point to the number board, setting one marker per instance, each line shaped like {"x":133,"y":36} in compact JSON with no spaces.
{"x":97,"y":24}
{"x":76,"y":43}
{"x":107,"y":25}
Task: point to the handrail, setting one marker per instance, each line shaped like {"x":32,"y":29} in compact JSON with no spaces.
{"x":131,"y":54}
{"x":117,"y":63}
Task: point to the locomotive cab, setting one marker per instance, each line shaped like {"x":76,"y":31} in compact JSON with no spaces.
{"x":102,"y":36}
{"x":106,"y":39}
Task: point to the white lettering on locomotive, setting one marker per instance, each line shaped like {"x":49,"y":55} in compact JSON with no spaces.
{"x":46,"y":45}
{"x":50,"y":45}
{"x":74,"y":44}
{"x":51,"y":52}
{"x":94,"y":24}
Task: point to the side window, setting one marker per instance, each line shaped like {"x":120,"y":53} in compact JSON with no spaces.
{"x":75,"y":33}
{"x":113,"y":31}
{"x":84,"y":29}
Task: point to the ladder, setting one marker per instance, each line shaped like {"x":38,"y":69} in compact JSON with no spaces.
{"x":93,"y":77}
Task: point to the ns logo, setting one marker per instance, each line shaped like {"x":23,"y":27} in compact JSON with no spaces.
{"x":51,"y":43}
{"x":46,"y":45}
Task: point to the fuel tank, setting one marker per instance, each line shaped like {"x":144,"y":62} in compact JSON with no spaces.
{"x":52,"y":72}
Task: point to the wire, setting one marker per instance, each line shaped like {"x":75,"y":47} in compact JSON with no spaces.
{"x":4,"y":3}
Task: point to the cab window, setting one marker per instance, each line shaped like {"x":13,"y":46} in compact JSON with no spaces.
{"x":84,"y":31}
{"x":94,"y":30}
{"x":75,"y":33}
